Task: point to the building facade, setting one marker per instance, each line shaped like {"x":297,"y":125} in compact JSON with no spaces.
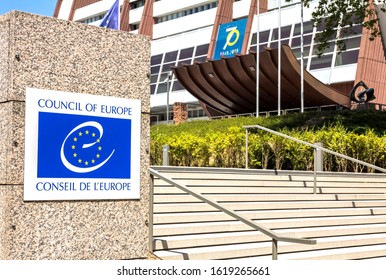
{"x":184,"y":33}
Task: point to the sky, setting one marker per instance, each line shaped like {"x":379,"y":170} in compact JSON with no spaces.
{"x":40,"y":7}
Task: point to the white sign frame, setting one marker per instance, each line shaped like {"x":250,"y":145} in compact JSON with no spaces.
{"x":82,"y":105}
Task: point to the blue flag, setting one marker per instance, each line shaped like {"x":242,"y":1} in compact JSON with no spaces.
{"x":76,"y":146}
{"x":111,"y":19}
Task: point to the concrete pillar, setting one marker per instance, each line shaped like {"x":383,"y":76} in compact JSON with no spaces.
{"x":47,"y":53}
{"x":180,"y":111}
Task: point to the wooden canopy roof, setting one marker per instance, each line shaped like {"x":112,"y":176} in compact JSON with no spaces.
{"x":228,"y":86}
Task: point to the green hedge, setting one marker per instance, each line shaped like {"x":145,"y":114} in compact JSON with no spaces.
{"x":221,"y":143}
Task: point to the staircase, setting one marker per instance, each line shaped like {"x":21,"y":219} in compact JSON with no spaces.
{"x":347,"y":216}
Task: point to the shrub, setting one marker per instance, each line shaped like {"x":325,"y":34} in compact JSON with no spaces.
{"x":221,"y":143}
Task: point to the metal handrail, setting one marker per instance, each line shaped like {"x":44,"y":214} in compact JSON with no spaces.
{"x":275,"y":236}
{"x":316,"y":147}
{"x":284,"y":112}
{"x":313,"y":108}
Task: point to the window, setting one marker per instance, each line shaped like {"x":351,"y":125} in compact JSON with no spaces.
{"x":264,"y":36}
{"x":329,"y":49}
{"x":357,"y":29}
{"x":307,"y":28}
{"x":285,"y":32}
{"x":186,"y":12}
{"x":321,"y":62}
{"x":156,"y":59}
{"x":297,"y":52}
{"x":200,"y":59}
{"x":162,"y":87}
{"x":186,"y":53}
{"x":162,"y":64}
{"x":152,"y":89}
{"x":353,"y":43}
{"x":134,"y":26}
{"x":153,"y":78}
{"x":196,"y":113}
{"x":202,"y":50}
{"x":321,"y":26}
{"x":154,"y":69}
{"x":182,"y":62}
{"x":168,"y":67}
{"x":170,"y":56}
{"x":307,"y":39}
{"x":347,"y":57}
{"x":137,"y":4}
{"x":94,"y":18}
{"x":274,"y":45}
{"x":177,"y":86}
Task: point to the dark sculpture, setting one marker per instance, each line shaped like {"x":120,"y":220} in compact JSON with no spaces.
{"x":364,"y":96}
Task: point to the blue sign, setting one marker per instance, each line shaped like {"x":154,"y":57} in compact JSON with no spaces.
{"x":230,"y":38}
{"x":81,"y":146}
{"x":73,"y":146}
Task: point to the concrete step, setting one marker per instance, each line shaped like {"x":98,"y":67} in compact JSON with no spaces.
{"x":194,"y":217}
{"x":349,"y":243}
{"x":352,"y":246}
{"x":270,"y":190}
{"x":285,"y":175}
{"x":244,"y":206}
{"x":217,"y":227}
{"x":360,"y":253}
{"x":263,"y":182}
{"x":216,"y":239}
{"x":347,"y":216}
{"x":324,"y":221}
{"x":186,"y":198}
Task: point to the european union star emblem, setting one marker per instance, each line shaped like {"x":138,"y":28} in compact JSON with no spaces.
{"x":74,"y":146}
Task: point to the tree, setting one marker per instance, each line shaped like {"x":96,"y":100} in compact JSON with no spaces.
{"x":342,"y":15}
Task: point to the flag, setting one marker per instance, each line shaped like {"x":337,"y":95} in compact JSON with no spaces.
{"x":77,"y":146}
{"x":111,"y":19}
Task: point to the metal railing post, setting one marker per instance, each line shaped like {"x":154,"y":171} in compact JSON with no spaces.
{"x":274,"y":249}
{"x":151,"y":214}
{"x":315,"y":168}
{"x":246,"y":149}
{"x":165,"y":155}
{"x":318,"y":162}
{"x":319,"y":157}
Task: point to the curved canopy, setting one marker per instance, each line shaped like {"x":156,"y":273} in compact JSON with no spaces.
{"x":228,"y":86}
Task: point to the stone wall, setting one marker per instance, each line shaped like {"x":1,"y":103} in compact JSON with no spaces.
{"x":47,"y":53}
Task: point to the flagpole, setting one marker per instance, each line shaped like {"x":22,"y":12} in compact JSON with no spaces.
{"x":119,"y":15}
{"x":279,"y":64}
{"x":257,"y":58}
{"x":301,"y":57}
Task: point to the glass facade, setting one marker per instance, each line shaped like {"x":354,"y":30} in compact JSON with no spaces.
{"x":162,"y":64}
{"x":291,"y":35}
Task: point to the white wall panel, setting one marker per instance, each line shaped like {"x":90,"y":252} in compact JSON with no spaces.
{"x":181,"y":41}
{"x":165,"y":7}
{"x":94,"y":9}
{"x":186,"y":23}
